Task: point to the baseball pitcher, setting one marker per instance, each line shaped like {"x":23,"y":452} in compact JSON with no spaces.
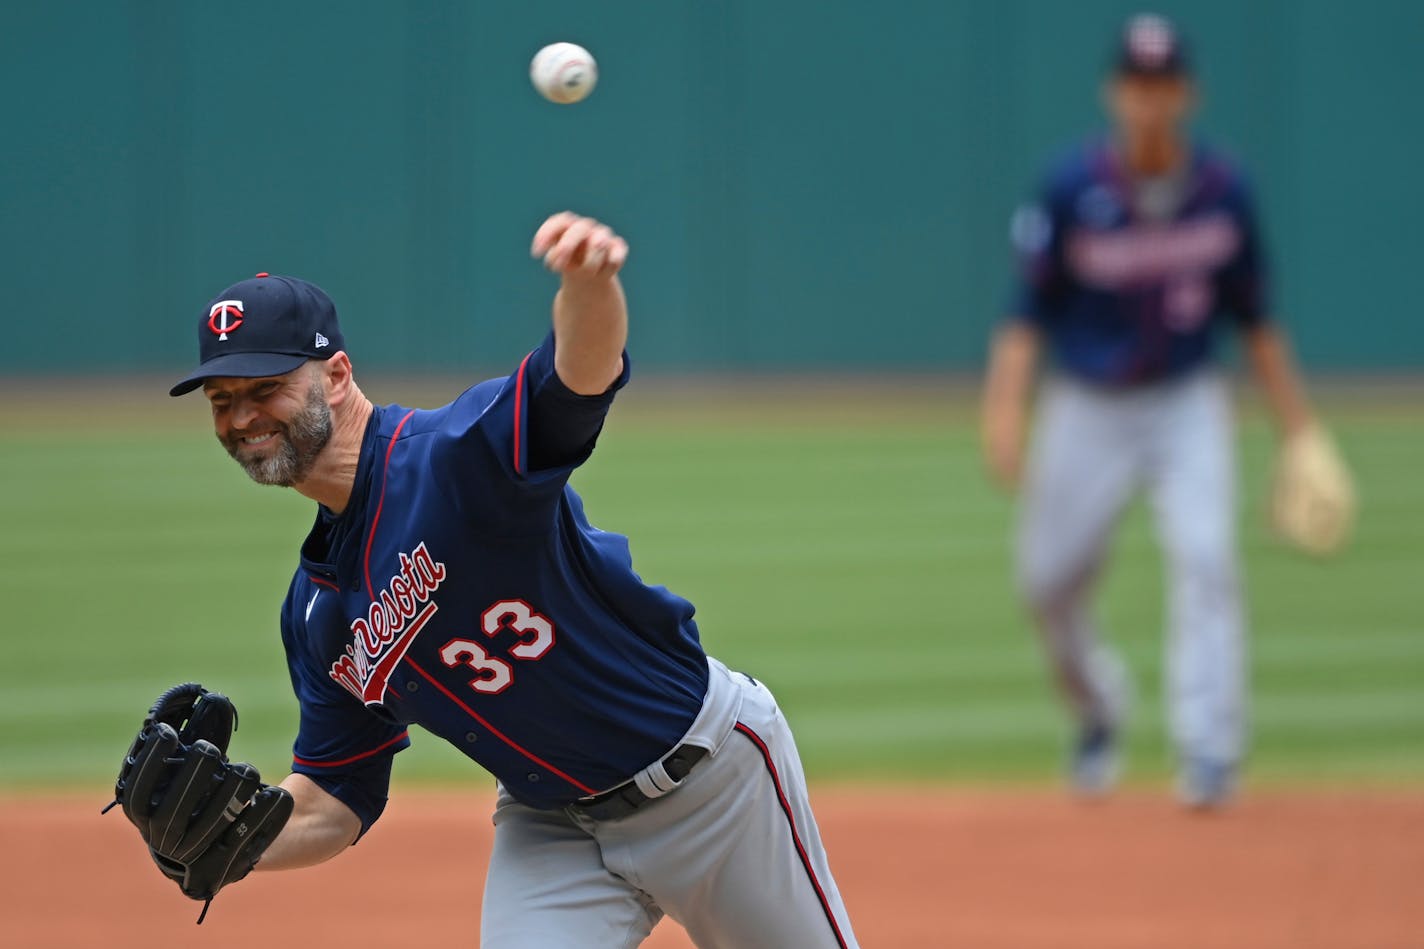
{"x":452,"y":580}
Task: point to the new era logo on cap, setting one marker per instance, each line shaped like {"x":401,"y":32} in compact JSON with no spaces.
{"x":265,"y":326}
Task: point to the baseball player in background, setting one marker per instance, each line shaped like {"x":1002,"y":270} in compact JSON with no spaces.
{"x":1134,"y":252}
{"x":452,"y":580}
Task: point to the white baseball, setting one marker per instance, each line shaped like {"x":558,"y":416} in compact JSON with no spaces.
{"x":563,"y":72}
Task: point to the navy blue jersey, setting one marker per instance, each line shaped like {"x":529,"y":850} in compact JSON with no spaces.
{"x":1125,"y":296}
{"x":464,"y":591}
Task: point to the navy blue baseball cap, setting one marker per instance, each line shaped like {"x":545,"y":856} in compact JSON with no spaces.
{"x":265,"y":326}
{"x":1150,"y":45}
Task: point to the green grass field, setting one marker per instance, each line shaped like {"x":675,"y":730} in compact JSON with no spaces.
{"x":842,"y":546}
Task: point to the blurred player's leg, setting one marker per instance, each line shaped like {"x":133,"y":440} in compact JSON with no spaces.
{"x":1084,"y":466}
{"x":1194,"y":498}
{"x":548,"y":888}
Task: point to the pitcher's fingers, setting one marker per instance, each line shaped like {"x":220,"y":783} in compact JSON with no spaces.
{"x":610,"y":260}
{"x":617,"y":254}
{"x":595,"y":249}
{"x":568,"y":249}
{"x":550,"y":231}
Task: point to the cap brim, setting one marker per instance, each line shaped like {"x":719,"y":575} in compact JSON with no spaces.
{"x":1174,"y":67}
{"x":240,"y":365}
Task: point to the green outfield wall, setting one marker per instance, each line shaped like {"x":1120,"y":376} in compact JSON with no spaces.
{"x":805,"y":184}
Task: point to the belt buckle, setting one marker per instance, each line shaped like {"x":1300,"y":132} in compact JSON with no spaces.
{"x":612,"y":804}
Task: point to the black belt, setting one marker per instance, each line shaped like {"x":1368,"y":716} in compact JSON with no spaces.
{"x":626,"y":798}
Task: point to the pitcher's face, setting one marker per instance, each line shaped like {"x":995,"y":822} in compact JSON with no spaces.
{"x":274,"y":427}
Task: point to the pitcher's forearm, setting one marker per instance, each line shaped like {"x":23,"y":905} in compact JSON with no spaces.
{"x":590,"y":333}
{"x":319,"y":829}
{"x":590,"y":312}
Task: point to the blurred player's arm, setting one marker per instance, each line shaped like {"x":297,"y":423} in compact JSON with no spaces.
{"x":590,"y":312}
{"x":1269,"y":354}
{"x":1013,"y":358}
{"x":321,"y":826}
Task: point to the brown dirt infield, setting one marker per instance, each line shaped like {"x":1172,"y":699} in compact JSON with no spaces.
{"x":983,"y":868}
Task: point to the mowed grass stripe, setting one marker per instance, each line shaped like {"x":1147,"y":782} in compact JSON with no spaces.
{"x":859,"y":566}
{"x":933,"y":676}
{"x":924,"y":717}
{"x":991,"y":738}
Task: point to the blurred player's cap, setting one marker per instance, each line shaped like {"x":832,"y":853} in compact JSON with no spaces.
{"x":265,"y":326}
{"x":1149,"y":45}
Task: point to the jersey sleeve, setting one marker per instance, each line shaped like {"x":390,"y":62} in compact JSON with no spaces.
{"x":1244,"y":283}
{"x":1036,"y":232}
{"x":341,"y":745}
{"x":562,"y":426}
{"x":510,"y":444}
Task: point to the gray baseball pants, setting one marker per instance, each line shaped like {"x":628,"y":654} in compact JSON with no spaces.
{"x":1093,"y":449}
{"x":732,"y":853}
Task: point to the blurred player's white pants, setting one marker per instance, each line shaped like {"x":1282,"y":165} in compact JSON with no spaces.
{"x":1093,"y":449}
{"x":717,"y":854}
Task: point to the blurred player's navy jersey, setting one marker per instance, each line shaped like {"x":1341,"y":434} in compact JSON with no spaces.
{"x":462,"y":591}
{"x":1129,"y":279}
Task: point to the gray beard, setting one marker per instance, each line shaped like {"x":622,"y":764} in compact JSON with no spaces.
{"x":300,"y":442}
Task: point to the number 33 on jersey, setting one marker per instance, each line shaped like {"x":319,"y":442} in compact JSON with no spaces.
{"x":495,"y":675}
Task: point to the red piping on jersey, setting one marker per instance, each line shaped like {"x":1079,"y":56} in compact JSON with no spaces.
{"x":496,"y":732}
{"x":519,"y":412}
{"x":795,"y":836}
{"x":323,"y":582}
{"x":385,"y":469}
{"x":365,"y":754}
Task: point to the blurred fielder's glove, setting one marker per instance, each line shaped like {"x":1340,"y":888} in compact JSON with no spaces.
{"x":1312,"y":496}
{"x":206,"y":820}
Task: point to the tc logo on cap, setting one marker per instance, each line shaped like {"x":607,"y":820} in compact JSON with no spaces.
{"x":1150,"y":40}
{"x":224,"y":317}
